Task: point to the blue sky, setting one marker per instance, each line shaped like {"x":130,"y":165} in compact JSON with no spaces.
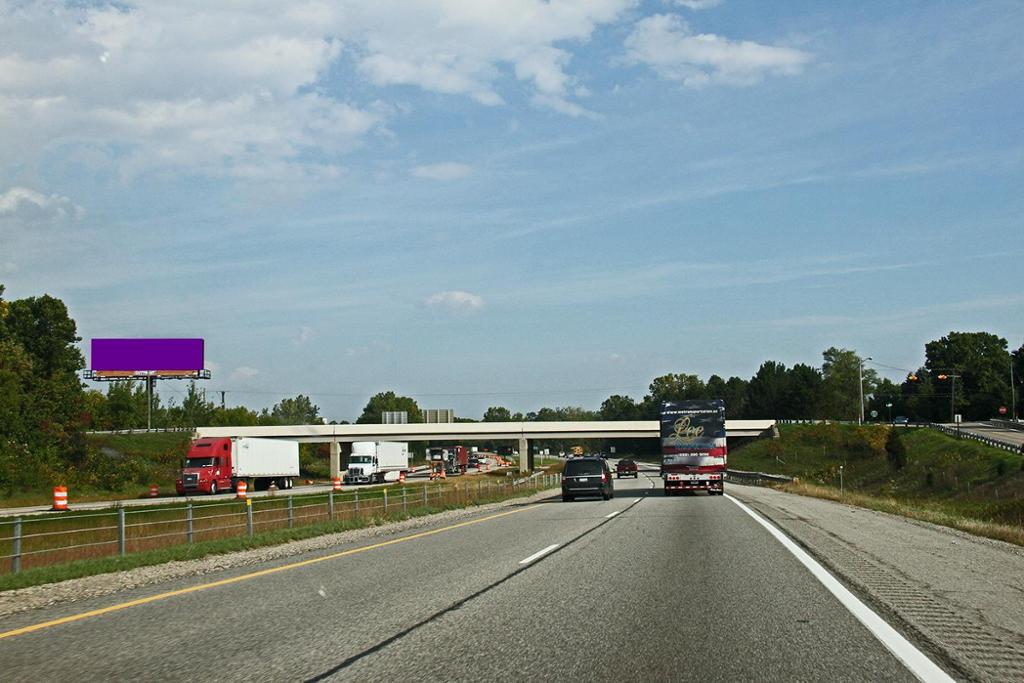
{"x":515,"y":203}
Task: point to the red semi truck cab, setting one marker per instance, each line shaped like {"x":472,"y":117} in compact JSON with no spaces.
{"x":694,"y":450}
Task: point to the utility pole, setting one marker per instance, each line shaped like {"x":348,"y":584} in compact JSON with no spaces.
{"x":1013,"y":393}
{"x":860,"y":387}
{"x":222,"y":392}
{"x":149,"y":402}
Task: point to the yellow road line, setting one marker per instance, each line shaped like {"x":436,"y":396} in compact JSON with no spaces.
{"x":246,"y":577}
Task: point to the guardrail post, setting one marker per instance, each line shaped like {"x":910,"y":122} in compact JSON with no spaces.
{"x":122,"y":541}
{"x":385,"y":501}
{"x":16,"y":547}
{"x":291,"y":513}
{"x":248,"y":516}
{"x":188,"y":523}
{"x":330,"y":505}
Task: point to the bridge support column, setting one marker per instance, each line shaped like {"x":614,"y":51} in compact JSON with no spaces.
{"x":335,"y":460}
{"x":341,"y":452}
{"x":525,"y":457}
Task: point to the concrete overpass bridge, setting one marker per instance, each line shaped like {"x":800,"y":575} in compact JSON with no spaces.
{"x":340,"y":437}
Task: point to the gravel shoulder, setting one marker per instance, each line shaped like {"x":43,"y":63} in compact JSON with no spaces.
{"x":962,"y":596}
{"x":74,"y":590}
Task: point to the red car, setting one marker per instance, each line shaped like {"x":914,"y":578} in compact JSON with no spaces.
{"x":625,"y":468}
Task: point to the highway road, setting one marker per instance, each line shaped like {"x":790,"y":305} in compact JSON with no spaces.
{"x":641,"y":587}
{"x":1004,"y":434}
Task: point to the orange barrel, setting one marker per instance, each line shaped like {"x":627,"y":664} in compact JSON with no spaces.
{"x":154,"y":490}
{"x":60,"y":497}
{"x":337,"y":483}
{"x":241,"y":490}
{"x":401,"y":477}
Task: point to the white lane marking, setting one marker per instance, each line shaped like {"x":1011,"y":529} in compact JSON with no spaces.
{"x":612,"y":514}
{"x":637,"y":500}
{"x":912,"y":658}
{"x":539,"y":553}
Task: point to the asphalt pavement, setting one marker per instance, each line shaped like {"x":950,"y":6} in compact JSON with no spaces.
{"x":641,"y":587}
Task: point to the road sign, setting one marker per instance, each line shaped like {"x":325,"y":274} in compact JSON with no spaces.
{"x":958,"y":418}
{"x":1002,"y":410}
{"x":874,"y":414}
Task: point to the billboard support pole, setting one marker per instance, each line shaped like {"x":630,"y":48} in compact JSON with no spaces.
{"x":149,"y":404}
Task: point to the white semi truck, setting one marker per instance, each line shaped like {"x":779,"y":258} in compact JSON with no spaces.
{"x":374,"y":462}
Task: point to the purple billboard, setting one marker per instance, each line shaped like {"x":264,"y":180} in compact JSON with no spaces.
{"x":146,"y":355}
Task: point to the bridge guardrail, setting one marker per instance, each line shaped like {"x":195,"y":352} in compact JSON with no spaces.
{"x":755,"y":478}
{"x":1007,"y":424}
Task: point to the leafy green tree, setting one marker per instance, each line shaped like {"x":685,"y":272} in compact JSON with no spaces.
{"x":126,"y":405}
{"x":803,"y":390}
{"x":388,"y":401}
{"x":671,"y":387}
{"x":733,"y":391}
{"x":840,"y":394}
{"x":619,"y":407}
{"x":497,"y":414}
{"x":296,"y":411}
{"x":982,"y":362}
{"x":767,"y":390}
{"x":42,"y":402}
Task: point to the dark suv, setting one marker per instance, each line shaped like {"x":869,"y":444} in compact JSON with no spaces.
{"x":587,"y":477}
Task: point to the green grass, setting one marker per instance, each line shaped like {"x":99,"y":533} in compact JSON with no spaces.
{"x":270,"y":513}
{"x":942,"y":475}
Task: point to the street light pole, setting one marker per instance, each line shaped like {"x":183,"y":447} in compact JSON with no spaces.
{"x":1013,"y":393}
{"x":860,"y":387}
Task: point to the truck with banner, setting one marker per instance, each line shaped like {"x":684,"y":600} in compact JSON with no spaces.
{"x":693,"y":446}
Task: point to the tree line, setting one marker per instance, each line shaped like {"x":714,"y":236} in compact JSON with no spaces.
{"x":45,"y":409}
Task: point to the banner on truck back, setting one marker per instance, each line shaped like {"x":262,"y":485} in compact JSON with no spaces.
{"x":693,"y":428}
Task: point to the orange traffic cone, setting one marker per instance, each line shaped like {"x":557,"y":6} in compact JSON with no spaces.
{"x":241,"y":489}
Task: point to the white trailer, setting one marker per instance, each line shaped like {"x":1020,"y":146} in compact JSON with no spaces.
{"x":261,"y":458}
{"x":376,"y":461}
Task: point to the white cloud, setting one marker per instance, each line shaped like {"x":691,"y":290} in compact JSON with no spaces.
{"x":665,"y":43}
{"x":203,"y":87}
{"x":456,"y":301}
{"x":243,"y":374}
{"x":448,"y":170}
{"x":29,"y":206}
{"x":698,"y":4}
{"x":305,"y":334}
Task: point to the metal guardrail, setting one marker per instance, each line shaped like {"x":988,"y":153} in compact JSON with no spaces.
{"x":755,"y":478}
{"x":964,"y":434}
{"x":1007,"y":424}
{"x":29,"y":542}
{"x":141,"y":430}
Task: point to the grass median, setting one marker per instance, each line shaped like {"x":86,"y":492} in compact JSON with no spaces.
{"x":161,"y":537}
